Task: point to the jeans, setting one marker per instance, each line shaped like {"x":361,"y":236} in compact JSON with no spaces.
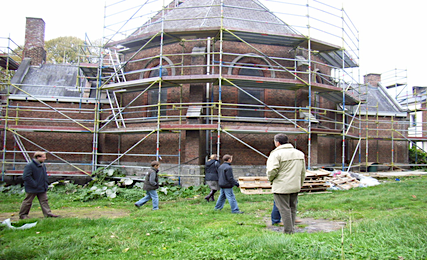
{"x":275,"y":215}
{"x":151,"y":194}
{"x":227,"y":193}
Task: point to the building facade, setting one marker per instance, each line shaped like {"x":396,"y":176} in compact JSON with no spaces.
{"x":203,"y":77}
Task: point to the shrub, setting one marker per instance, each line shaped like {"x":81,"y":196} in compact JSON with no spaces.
{"x":417,"y":156}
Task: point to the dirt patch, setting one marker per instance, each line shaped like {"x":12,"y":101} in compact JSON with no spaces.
{"x":309,"y":225}
{"x":89,"y":212}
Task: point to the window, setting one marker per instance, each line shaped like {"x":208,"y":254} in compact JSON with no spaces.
{"x":251,"y":71}
{"x":153,"y":98}
{"x":249,"y":111}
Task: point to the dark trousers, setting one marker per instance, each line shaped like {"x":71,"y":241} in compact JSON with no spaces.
{"x":28,"y":202}
{"x":287,"y":205}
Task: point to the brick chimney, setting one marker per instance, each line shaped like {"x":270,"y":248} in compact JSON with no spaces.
{"x":372,"y":78}
{"x":34,"y":41}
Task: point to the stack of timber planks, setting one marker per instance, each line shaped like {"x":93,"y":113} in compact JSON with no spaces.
{"x":315,"y":181}
{"x":254,"y":185}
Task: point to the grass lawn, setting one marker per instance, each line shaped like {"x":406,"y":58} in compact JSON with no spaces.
{"x":383,"y":222}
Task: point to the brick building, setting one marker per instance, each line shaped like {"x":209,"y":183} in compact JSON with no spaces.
{"x":201,"y":77}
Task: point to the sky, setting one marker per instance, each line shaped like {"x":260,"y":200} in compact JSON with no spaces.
{"x":391,"y":33}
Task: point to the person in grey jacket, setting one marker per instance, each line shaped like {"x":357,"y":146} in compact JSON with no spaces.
{"x":151,"y":184}
{"x":286,"y":172}
{"x":36,"y":183}
{"x":226,"y":182}
{"x":211,"y":176}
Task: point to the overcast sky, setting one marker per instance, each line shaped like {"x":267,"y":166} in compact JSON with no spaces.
{"x":392,"y":33}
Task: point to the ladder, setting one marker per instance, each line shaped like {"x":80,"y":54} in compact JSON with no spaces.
{"x":119,"y":76}
{"x":22,"y":148}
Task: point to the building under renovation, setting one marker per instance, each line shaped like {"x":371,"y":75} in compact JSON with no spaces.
{"x":195,"y":78}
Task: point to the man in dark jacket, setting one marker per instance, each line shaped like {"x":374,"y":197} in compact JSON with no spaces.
{"x":36,"y":183}
{"x":211,"y":176}
{"x":151,"y":184}
{"x":226,"y":182}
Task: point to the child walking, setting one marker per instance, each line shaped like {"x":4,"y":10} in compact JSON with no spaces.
{"x":151,"y":184}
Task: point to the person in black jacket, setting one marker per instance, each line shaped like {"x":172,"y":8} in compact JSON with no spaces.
{"x":36,"y":183}
{"x":211,"y":176}
{"x":151,"y":184}
{"x":226,"y":182}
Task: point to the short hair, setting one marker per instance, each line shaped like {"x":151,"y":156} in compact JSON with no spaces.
{"x":281,"y":138}
{"x":227,"y":157}
{"x":154,"y":163}
{"x":213,"y":157}
{"x":39,"y":154}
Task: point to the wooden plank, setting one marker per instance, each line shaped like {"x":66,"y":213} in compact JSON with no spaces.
{"x":49,"y":173}
{"x":255,"y":191}
{"x":258,"y":178}
{"x":255,"y":185}
{"x":313,"y":189}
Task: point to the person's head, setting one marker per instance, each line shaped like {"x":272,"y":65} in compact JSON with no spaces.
{"x":280,"y":139}
{"x":155,"y":164}
{"x":213,"y":157}
{"x":40,"y":156}
{"x":227,"y":158}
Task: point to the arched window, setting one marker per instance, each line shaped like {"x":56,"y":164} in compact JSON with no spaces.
{"x":251,"y":64}
{"x":152,"y":68}
{"x":155,"y":72}
{"x":251,"y":71}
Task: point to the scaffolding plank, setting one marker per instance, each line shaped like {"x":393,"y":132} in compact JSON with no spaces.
{"x":188,"y":126}
{"x":7,"y":62}
{"x":33,"y":128}
{"x":49,"y":173}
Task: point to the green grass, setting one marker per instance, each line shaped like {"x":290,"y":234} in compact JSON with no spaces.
{"x":387,"y":222}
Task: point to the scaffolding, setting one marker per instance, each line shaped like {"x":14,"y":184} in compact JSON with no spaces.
{"x":123,"y":86}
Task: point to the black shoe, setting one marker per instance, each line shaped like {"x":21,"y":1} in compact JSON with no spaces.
{"x":238,"y":212}
{"x":213,"y":195}
{"x":136,"y":205}
{"x":52,"y":216}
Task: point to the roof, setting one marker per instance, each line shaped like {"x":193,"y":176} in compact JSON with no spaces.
{"x":246,"y":20}
{"x":47,"y":81}
{"x":204,"y":14}
{"x":378,"y":101}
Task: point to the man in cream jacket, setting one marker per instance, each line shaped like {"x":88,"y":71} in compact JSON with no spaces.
{"x":286,"y":172}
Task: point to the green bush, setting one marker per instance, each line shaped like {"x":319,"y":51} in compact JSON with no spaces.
{"x":417,"y":156}
{"x":11,"y":189}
